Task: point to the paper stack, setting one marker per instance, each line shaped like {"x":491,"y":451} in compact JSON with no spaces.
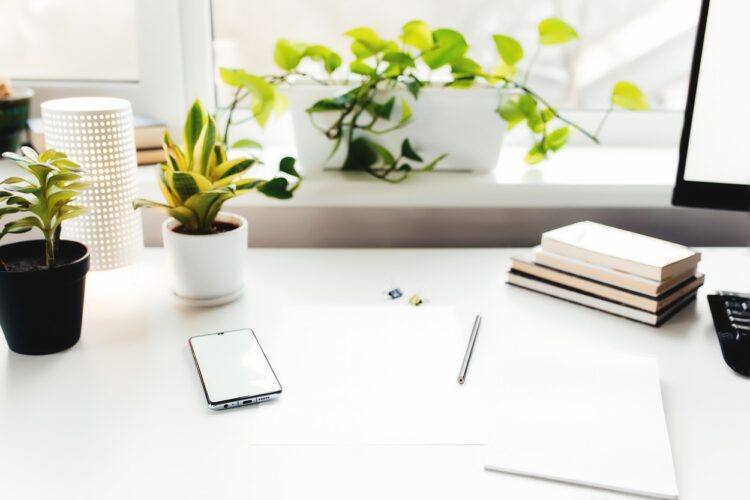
{"x":624,"y":273}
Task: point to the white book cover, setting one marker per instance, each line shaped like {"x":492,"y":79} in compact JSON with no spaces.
{"x":619,"y":249}
{"x":591,"y":419}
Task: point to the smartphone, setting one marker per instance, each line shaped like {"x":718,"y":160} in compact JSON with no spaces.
{"x":233,"y":369}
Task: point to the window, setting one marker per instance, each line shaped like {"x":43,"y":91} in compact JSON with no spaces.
{"x":156,"y":54}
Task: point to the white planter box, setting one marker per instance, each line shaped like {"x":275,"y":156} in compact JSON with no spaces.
{"x":207,"y":269}
{"x":460,"y":122}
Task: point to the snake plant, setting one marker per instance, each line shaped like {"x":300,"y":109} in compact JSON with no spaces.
{"x":198,"y":180}
{"x":47,"y":195}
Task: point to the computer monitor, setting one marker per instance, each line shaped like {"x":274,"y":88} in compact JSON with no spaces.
{"x":714,"y":168}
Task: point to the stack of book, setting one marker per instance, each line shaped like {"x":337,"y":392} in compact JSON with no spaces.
{"x":623,"y":273}
{"x":148,"y":137}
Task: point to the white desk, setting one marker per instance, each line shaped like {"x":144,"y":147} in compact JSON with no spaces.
{"x":122,"y":414}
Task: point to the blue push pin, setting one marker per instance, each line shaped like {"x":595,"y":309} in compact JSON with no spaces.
{"x":395,"y":293}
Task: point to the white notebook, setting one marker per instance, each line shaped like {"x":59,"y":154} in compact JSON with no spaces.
{"x":595,"y":420}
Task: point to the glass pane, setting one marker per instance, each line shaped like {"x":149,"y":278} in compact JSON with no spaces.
{"x":68,"y":40}
{"x":649,"y":42}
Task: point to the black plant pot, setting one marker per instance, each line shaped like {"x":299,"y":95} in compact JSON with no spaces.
{"x":14,"y":111}
{"x":41,"y":310}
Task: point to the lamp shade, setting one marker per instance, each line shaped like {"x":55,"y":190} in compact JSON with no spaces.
{"x":97,"y":133}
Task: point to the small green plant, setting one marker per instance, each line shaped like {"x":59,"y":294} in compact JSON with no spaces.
{"x":47,"y":195}
{"x":381,"y":65}
{"x":197,"y":181}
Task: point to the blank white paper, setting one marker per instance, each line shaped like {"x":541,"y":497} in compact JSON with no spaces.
{"x":370,"y":375}
{"x":594,"y":420}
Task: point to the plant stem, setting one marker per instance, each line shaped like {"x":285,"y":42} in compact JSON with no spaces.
{"x":539,"y":98}
{"x":235,"y":101}
{"x":533,"y":60}
{"x":49,"y":249}
{"x":604,"y":119}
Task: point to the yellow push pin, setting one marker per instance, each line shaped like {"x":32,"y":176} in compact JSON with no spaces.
{"x":415,"y":300}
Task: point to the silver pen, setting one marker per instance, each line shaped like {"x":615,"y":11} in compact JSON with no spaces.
{"x":469,"y":349}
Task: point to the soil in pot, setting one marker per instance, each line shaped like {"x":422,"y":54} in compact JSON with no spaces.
{"x":218,"y":227}
{"x":41,"y":309}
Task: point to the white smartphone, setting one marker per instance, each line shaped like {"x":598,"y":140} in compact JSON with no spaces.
{"x":233,"y":369}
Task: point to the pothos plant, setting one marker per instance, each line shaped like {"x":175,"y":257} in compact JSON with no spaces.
{"x":197,"y":181}
{"x":45,"y":197}
{"x":379,"y":64}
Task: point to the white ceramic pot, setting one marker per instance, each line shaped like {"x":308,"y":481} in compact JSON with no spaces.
{"x":460,"y":122}
{"x":207,"y":269}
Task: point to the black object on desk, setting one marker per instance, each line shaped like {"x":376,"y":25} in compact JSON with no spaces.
{"x":731,"y":313}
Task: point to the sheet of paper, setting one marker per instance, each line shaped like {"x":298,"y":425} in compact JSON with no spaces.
{"x":594,"y":419}
{"x":370,"y":375}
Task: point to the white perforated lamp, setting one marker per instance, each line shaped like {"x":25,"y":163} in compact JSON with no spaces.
{"x":97,"y":132}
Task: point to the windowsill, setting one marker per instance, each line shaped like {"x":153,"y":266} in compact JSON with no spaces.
{"x":575,"y":177}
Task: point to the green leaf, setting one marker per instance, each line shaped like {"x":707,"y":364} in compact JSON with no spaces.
{"x":449,"y":46}
{"x":276,"y":188}
{"x":246,"y":144}
{"x":407,"y":151}
{"x":413,"y":85}
{"x":30,"y":153}
{"x":286,"y":165}
{"x":464,"y":66}
{"x":400,"y":59}
{"x":406,"y":113}
{"x":14,"y":180}
{"x":361,"y":68}
{"x":535,"y":155}
{"x":361,"y":155}
{"x":186,"y":217}
{"x":193,"y":128}
{"x":331,"y":60}
{"x":418,"y":35}
{"x":557,"y":138}
{"x":231,"y":77}
{"x":509,"y":49}
{"x":383,"y":153}
{"x":554,"y":31}
{"x":186,"y":184}
{"x":547,"y":114}
{"x":431,"y":166}
{"x":22,"y":225}
{"x":204,"y":147}
{"x":367,"y":42}
{"x":287,"y":55}
{"x":527,"y":105}
{"x":629,"y":96}
{"x":384,"y":110}
{"x":510,"y":111}
{"x":69,"y":212}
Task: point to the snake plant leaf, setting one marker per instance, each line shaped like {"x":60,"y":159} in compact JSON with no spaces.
{"x":407,"y":151}
{"x":418,"y":35}
{"x":629,"y":96}
{"x":186,"y":184}
{"x":246,"y":185}
{"x":449,"y":46}
{"x":234,"y":167}
{"x":186,"y":217}
{"x":143,"y":203}
{"x":287,"y":55}
{"x":204,"y":147}
{"x":554,"y":31}
{"x":508,"y":48}
{"x":286,"y":165}
{"x":192,"y":130}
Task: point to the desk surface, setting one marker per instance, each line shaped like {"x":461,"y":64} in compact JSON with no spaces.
{"x":122,"y":415}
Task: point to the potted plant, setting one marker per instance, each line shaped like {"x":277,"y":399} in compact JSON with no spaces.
{"x":384,"y":118}
{"x":205,"y":247}
{"x":14,"y":111}
{"x":42,"y":282}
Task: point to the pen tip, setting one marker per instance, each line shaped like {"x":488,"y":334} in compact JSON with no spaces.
{"x":460,"y":380}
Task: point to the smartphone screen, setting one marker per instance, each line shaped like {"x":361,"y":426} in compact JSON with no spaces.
{"x":233,"y":368}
